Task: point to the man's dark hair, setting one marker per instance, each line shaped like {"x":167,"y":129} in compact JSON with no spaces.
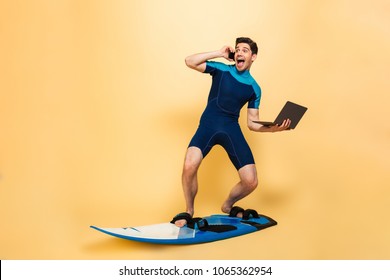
{"x":252,"y":44}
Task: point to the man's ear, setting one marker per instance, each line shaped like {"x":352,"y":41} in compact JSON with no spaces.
{"x":254,"y":56}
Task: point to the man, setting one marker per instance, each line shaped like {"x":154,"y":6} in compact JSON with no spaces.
{"x":232,"y":87}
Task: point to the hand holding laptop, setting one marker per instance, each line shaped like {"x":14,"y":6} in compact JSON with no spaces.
{"x":285,"y":125}
{"x":288,"y":117}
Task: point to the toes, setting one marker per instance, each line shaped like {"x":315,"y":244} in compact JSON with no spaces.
{"x":180,"y":223}
{"x":236,"y":211}
{"x":182,"y":219}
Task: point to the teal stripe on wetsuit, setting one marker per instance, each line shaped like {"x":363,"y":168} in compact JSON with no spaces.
{"x":230,"y":91}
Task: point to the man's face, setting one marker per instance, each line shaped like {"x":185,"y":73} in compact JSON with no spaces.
{"x":244,"y":57}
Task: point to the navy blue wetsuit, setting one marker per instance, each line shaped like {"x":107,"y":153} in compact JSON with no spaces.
{"x":230,"y":91}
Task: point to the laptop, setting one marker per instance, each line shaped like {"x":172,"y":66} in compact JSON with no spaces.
{"x":291,"y":111}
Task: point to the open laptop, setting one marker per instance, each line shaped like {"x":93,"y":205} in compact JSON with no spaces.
{"x":291,"y":111}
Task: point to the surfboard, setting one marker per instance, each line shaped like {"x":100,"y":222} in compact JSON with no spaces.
{"x":218,"y":227}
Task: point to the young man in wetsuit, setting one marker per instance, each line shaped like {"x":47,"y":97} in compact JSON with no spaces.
{"x":232,"y":87}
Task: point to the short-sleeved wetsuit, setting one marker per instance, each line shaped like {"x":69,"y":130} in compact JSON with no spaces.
{"x":230,"y":91}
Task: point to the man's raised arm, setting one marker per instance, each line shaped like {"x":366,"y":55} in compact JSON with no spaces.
{"x":198,"y":61}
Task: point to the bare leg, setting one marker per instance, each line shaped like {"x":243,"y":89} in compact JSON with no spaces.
{"x":192,"y":162}
{"x":248,"y":183}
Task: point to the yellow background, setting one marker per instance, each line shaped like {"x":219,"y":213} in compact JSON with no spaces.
{"x":97,"y":108}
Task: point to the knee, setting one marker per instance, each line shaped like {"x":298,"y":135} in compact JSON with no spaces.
{"x":250,"y":183}
{"x":248,"y":176}
{"x":190,"y":166}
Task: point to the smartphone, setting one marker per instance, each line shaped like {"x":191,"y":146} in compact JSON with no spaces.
{"x":231,"y":55}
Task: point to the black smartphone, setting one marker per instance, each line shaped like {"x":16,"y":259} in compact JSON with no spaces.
{"x":231,"y":55}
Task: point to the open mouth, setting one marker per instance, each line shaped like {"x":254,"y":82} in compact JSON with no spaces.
{"x":240,"y":62}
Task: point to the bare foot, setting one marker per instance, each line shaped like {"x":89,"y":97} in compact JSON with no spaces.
{"x":180,"y":220}
{"x":180,"y":223}
{"x":226,"y":208}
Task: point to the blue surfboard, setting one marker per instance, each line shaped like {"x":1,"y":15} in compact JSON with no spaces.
{"x":218,"y":227}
